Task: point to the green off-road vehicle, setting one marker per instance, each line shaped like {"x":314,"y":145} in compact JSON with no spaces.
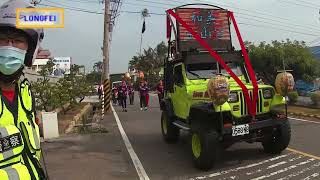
{"x":187,"y":106}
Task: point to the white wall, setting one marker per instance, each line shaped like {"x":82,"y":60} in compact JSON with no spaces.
{"x":33,"y":76}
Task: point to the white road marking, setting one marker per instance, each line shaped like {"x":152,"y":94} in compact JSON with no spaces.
{"x":312,"y":176}
{"x":274,"y":165}
{"x":240,"y":168}
{"x":300,"y":172}
{"x":296,"y":158}
{"x":253,"y":172}
{"x":137,"y":164}
{"x":284,"y":169}
{"x":303,"y":120}
{"x":277,"y":164}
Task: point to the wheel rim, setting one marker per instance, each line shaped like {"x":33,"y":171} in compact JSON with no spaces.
{"x":196,"y":145}
{"x":164,"y":123}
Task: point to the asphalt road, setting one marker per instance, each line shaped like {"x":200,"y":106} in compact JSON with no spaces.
{"x":241,"y":161}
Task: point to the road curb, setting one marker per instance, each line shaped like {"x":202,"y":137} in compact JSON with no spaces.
{"x":79,"y":117}
{"x":305,"y":115}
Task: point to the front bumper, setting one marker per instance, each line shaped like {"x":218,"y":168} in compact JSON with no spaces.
{"x":258,"y":125}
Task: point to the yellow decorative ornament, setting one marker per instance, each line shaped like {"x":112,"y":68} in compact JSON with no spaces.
{"x":218,"y":89}
{"x":284,"y":83}
{"x":127,"y":76}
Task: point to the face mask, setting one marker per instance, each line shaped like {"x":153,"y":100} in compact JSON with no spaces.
{"x":11,"y":59}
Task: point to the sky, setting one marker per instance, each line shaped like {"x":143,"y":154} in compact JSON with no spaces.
{"x":258,"y":20}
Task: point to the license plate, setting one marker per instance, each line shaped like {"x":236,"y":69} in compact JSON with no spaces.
{"x":240,"y":130}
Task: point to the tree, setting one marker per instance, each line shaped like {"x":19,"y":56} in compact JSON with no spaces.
{"x":43,"y":89}
{"x":71,"y":89}
{"x":61,"y":93}
{"x":267,"y":59}
{"x":98,"y":66}
{"x":94,"y":77}
{"x":150,"y":62}
{"x":78,"y":87}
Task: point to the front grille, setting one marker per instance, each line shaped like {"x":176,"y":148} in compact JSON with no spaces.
{"x":243,"y":104}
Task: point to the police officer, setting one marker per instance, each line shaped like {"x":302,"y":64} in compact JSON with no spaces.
{"x":19,"y":132}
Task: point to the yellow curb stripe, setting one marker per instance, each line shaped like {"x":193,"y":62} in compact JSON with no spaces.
{"x":303,"y":153}
{"x":107,"y":94}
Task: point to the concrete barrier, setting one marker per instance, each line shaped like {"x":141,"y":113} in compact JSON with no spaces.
{"x":50,"y":125}
{"x":82,"y":115}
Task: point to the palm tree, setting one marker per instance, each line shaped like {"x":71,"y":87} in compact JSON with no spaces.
{"x":98,"y":66}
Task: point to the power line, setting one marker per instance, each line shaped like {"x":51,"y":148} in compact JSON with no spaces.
{"x":73,"y":9}
{"x":250,"y":11}
{"x":153,"y":2}
{"x":307,"y":2}
{"x":314,"y":42}
{"x":115,"y":12}
{"x":297,"y":4}
{"x":91,"y":2}
{"x":249,"y":15}
{"x":169,"y":4}
{"x":83,"y":1}
{"x":275,"y":20}
{"x":256,"y":25}
{"x":275,"y":24}
{"x":64,"y":5}
{"x":290,"y":25}
{"x":138,"y":12}
{"x":144,"y":5}
{"x":95,"y":12}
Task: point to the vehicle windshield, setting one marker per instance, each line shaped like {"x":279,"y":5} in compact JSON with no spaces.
{"x":201,"y":71}
{"x":236,"y":69}
{"x":209,"y":70}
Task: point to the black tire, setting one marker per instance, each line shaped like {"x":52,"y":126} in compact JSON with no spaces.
{"x":279,"y":140}
{"x":227,"y":145}
{"x":210,"y":151}
{"x":169,"y":131}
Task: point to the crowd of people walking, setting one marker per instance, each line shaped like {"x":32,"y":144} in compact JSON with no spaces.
{"x":126,"y":90}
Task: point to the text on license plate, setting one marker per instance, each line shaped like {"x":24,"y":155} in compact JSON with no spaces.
{"x":240,"y":130}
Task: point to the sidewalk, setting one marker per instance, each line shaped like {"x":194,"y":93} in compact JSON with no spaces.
{"x":100,"y":156}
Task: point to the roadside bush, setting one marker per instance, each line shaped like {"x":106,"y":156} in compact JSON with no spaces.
{"x":315,"y":97}
{"x":72,"y":88}
{"x":293,"y":97}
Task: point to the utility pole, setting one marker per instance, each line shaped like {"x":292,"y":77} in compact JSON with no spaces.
{"x":106,"y":81}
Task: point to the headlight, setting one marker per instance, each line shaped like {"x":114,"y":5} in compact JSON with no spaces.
{"x":233,"y":97}
{"x":267,"y":93}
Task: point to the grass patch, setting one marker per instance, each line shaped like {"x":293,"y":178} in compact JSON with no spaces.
{"x":92,"y":129}
{"x":299,"y":109}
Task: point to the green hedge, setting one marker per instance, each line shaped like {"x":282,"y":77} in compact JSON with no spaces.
{"x":315,"y":97}
{"x":293,"y":97}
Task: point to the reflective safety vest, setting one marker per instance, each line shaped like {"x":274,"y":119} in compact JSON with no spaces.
{"x":20,"y":137}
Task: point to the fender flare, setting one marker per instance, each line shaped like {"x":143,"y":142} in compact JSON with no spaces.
{"x":166,"y":105}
